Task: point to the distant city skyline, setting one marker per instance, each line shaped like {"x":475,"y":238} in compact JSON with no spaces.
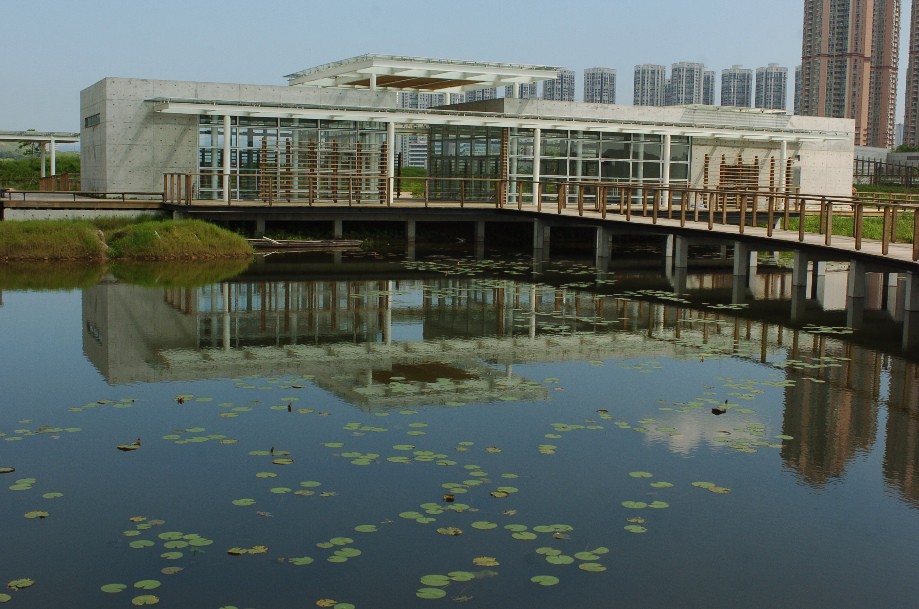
{"x":44,"y":80}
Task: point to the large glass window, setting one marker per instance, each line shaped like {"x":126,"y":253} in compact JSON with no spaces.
{"x":293,"y":159}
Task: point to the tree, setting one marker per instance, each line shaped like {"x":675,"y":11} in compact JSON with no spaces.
{"x":30,"y":149}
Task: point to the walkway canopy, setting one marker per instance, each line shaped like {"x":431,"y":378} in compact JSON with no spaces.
{"x":46,"y":139}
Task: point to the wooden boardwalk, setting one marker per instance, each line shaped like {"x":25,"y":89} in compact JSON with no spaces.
{"x":844,"y":247}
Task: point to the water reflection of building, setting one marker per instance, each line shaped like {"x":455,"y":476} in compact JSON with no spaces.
{"x":901,"y":452}
{"x":428,"y":341}
{"x":831,"y":410}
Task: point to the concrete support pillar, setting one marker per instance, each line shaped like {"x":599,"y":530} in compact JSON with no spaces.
{"x":42,"y":148}
{"x":911,"y":311}
{"x":799,"y":269}
{"x":818,"y":281}
{"x":387,"y":313}
{"x":911,"y":292}
{"x":480,"y":231}
{"x":410,"y":231}
{"x":53,"y":146}
{"x":532,"y":312}
{"x":539,"y":229}
{"x":677,"y":279}
{"x":225,"y":295}
{"x":855,"y":294}
{"x":668,"y":249}
{"x":390,"y":161}
{"x":337,"y":230}
{"x":742,"y":253}
{"x":855,"y":287}
{"x":373,"y":82}
{"x":680,"y":252}
{"x":798,"y":302}
{"x":601,"y":248}
{"x":227,"y":139}
{"x":260,"y":226}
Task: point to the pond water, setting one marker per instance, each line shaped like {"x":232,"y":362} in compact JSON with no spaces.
{"x":448,"y":433}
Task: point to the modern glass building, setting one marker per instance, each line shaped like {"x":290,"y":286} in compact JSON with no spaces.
{"x":332,"y":134}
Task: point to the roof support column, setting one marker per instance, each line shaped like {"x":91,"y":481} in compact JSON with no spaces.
{"x":53,"y":146}
{"x":665,"y":169}
{"x":390,"y":161}
{"x":373,"y":81}
{"x":783,"y":160}
{"x":227,"y":127}
{"x":537,"y":152}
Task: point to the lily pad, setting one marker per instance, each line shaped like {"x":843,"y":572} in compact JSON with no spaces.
{"x":430,"y":593}
{"x":145,"y":599}
{"x":20,"y":584}
{"x":544,"y":580}
{"x":112,"y":588}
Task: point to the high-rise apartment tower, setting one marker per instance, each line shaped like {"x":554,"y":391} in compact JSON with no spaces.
{"x":911,"y":112}
{"x":600,"y":86}
{"x":771,"y":87}
{"x":849,"y":54}
{"x":650,"y":85}
{"x":685,"y":85}
{"x":737,"y":87}
{"x":561,"y":88}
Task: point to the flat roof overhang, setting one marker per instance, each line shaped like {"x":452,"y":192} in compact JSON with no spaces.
{"x":58,"y":137}
{"x":404,"y":116}
{"x":418,"y":74}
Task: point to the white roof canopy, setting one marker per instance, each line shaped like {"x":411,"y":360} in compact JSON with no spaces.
{"x":59,"y":137}
{"x":418,"y":74}
{"x":405,"y":116}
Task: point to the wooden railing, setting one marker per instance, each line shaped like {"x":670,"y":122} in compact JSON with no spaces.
{"x":743,"y":208}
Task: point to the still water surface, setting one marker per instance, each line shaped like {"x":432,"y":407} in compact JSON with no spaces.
{"x":466,"y":431}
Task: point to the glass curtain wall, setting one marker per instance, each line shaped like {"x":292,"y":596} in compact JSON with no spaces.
{"x":465,"y":162}
{"x":274,"y":159}
{"x":576,"y":156}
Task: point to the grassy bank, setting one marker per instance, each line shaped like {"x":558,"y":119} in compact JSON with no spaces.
{"x":103,"y":240}
{"x":872,"y":227}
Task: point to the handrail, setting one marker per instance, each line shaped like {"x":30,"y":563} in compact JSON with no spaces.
{"x":745,"y":208}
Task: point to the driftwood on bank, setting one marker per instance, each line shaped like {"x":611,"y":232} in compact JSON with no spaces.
{"x":266,"y":243}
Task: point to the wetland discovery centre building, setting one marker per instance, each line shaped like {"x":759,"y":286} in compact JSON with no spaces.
{"x":331,"y":133}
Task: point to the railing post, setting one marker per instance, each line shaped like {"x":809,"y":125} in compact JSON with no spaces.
{"x":462,"y":192}
{"x":519,"y":187}
{"x":601,"y":200}
{"x":427,"y":190}
{"x":655,"y":199}
{"x":857,"y":216}
{"x":802,"y":204}
{"x":742,"y":200}
{"x":893,"y":223}
{"x":885,"y":239}
{"x":580,"y":199}
{"x":537,"y":192}
{"x":670,"y":201}
{"x":628,"y":204}
{"x":829,"y":222}
{"x":188,"y":188}
{"x":915,"y":234}
{"x":770,"y":214}
{"x":562,"y":195}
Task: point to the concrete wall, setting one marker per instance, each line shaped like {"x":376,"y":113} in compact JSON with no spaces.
{"x":133,"y":146}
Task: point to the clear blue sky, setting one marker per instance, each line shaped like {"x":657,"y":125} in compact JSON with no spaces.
{"x":54,"y":49}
